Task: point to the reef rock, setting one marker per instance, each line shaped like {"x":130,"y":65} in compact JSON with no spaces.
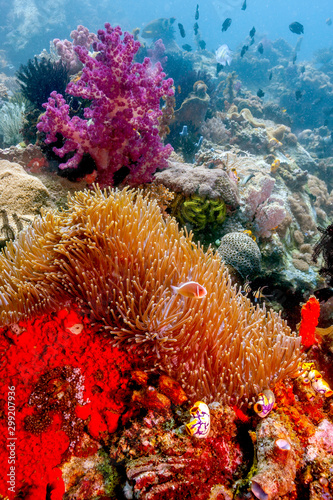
{"x":277,"y":461}
{"x":21,"y":198}
{"x":187,"y":179}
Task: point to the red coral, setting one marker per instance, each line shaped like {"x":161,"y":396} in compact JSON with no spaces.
{"x":65,"y":384}
{"x":310,"y":315}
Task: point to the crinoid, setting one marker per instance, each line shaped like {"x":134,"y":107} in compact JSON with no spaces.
{"x":325,"y":247}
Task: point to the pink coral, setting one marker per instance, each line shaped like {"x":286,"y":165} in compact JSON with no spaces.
{"x":120,"y":128}
{"x":269,"y":215}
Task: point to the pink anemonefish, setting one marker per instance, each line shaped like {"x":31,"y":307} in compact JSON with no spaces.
{"x":190,"y":289}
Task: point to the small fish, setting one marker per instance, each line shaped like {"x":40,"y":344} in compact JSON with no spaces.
{"x":251,"y":42}
{"x":302,"y":69}
{"x":244,"y":49}
{"x":246,"y":179}
{"x":246,"y":287}
{"x":298,"y":94}
{"x":260,"y":93}
{"x":325,"y":123}
{"x":187,"y":47}
{"x":202,"y":44}
{"x":190,"y":289}
{"x":316,"y":101}
{"x":296,"y":27}
{"x":181,"y":30}
{"x":196,"y":28}
{"x":328,"y":21}
{"x":283,"y":110}
{"x":244,"y":5}
{"x":258,"y":296}
{"x":294,"y":58}
{"x":223,"y":55}
{"x":184,"y":131}
{"x":252,"y":32}
{"x":270,"y":75}
{"x":260,"y":48}
{"x":226,"y":24}
{"x":196,"y":17}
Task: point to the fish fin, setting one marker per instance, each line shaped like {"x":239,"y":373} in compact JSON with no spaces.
{"x":174,"y":288}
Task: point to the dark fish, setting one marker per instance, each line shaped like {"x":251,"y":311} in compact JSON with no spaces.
{"x":202,"y":44}
{"x":302,"y":69}
{"x":270,"y":75}
{"x":196,"y":28}
{"x":296,"y":27}
{"x":260,"y":48}
{"x":294,"y":58}
{"x":187,"y":47}
{"x":244,"y":5}
{"x":219,"y":68}
{"x":226,"y":24}
{"x":181,"y":30}
{"x":196,"y":17}
{"x":328,"y":21}
{"x":298,"y":94}
{"x":325,"y":123}
{"x":260,"y":93}
{"x":252,"y":32}
{"x":244,"y":49}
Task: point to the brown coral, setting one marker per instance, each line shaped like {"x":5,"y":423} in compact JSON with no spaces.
{"x":116,"y":255}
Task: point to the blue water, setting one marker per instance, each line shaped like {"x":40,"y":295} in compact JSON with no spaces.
{"x":27,"y":26}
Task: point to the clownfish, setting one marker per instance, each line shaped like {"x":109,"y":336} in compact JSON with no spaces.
{"x":190,"y":289}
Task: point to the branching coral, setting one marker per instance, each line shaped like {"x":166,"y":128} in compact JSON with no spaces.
{"x":120,"y":128}
{"x":116,"y":255}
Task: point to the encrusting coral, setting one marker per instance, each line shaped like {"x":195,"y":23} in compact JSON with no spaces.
{"x":115,"y":255}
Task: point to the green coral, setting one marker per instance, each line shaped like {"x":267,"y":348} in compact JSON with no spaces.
{"x":198,"y":211}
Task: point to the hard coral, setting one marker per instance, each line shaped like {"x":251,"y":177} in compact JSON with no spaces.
{"x":120,"y":128}
{"x":115,"y":255}
{"x":242,"y":253}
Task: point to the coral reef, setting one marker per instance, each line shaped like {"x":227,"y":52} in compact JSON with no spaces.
{"x":120,"y":127}
{"x":65,"y":49}
{"x":193,"y":109}
{"x":160,"y":459}
{"x":70,"y":388}
{"x":242,"y":253}
{"x":189,"y":180}
{"x":146,"y":256}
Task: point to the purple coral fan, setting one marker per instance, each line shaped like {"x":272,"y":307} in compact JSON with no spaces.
{"x":120,"y":127}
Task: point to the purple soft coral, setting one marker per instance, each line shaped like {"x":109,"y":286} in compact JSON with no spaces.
{"x":120,"y":128}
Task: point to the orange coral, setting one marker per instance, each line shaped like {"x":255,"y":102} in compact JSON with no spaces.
{"x":310,"y":315}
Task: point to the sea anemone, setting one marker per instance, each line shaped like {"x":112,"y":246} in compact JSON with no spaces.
{"x":114,"y":254}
